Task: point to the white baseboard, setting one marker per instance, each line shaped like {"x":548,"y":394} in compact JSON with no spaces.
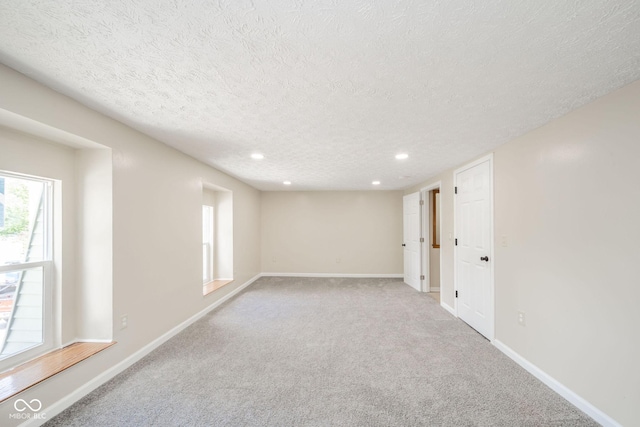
{"x":434,"y":289}
{"x":558,"y":387}
{"x":96,"y":382}
{"x":448,"y":308}
{"x":371,"y":276}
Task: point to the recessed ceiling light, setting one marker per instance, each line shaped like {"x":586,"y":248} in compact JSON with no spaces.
{"x":376,"y":182}
{"x":402,"y":156}
{"x":257,"y":156}
{"x":287,"y":182}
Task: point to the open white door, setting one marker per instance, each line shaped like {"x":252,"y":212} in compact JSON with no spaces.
{"x":411,"y":243}
{"x":473,"y":250}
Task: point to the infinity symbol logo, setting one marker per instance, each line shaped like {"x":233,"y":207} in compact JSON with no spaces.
{"x":21,"y":405}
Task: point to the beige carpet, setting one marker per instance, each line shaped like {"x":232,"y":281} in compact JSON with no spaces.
{"x":325,"y":352}
{"x":434,"y":295}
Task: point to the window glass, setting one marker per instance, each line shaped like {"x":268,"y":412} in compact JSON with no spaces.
{"x":207,"y":243}
{"x":25,"y":261}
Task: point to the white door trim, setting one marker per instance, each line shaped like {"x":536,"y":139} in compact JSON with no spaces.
{"x":492,"y":311}
{"x":424,"y":248}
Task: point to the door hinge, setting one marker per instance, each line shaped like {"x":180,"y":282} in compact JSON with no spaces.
{"x":422,"y":240}
{"x":455,"y":189}
{"x":456,"y":242}
{"x":421,"y":202}
{"x":456,"y":294}
{"x":422,"y":277}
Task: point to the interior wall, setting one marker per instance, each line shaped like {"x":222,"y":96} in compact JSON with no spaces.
{"x":209,"y":197}
{"x":434,"y":269}
{"x":94,"y":237}
{"x":567,"y":203}
{"x":157,"y":220}
{"x":335,"y":232}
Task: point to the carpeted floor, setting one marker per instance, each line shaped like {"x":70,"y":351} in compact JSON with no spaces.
{"x":325,"y":352}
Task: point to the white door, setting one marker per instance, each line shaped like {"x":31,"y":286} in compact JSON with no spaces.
{"x":411,"y":242}
{"x":474,"y":287}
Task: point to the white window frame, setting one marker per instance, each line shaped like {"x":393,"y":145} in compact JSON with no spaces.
{"x":47,"y":266}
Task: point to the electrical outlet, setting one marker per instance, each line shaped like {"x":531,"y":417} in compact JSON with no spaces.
{"x":338,"y":260}
{"x":124,"y":321}
{"x":521,"y":318}
{"x":504,"y":241}
{"x":273,"y":259}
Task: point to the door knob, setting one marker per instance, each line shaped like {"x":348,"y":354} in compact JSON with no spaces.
{"x":484,"y":258}
{"x":404,"y":244}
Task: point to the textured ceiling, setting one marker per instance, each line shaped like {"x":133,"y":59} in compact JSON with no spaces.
{"x":328,"y":91}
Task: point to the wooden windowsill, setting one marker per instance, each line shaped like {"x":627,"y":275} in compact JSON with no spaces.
{"x":37,"y":370}
{"x":214,"y":285}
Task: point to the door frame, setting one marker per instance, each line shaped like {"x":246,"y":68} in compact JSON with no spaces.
{"x":492,"y":305}
{"x":425,"y":284}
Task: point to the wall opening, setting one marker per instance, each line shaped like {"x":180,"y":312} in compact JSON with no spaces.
{"x":217,"y":237}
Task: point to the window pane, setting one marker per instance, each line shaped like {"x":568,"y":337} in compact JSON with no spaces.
{"x":207,"y":224}
{"x":207,"y":240}
{"x":22,"y":236}
{"x":205,"y":262}
{"x":21,"y":308}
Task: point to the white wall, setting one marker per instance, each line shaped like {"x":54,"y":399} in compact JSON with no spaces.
{"x":567,"y":198}
{"x":157,"y":208}
{"x":334,"y":232}
{"x":94,"y":237}
{"x":434,"y":268}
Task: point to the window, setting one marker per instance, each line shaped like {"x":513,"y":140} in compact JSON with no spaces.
{"x":26,"y":267}
{"x":207,"y":244}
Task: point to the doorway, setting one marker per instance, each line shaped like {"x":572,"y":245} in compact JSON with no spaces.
{"x":430,"y":250}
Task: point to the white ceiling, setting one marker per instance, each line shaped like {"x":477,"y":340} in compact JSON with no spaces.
{"x":328,"y":91}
